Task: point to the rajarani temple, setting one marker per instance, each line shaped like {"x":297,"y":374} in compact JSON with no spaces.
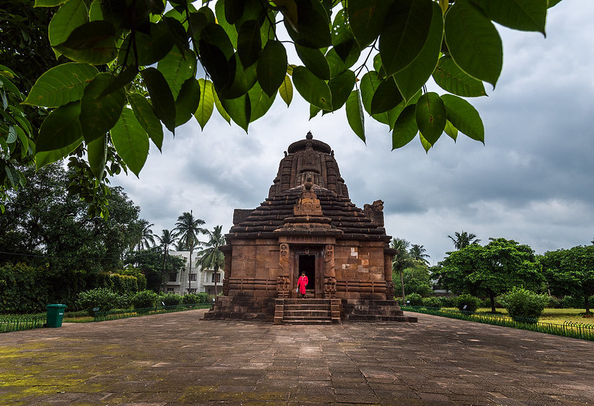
{"x":308,"y":224}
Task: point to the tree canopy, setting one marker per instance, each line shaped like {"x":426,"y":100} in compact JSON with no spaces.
{"x":571,"y":271}
{"x":490,"y":270}
{"x":138,"y":65}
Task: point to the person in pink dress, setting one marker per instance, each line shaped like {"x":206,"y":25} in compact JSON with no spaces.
{"x":302,"y":283}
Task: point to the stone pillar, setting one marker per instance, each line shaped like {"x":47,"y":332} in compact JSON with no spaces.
{"x":388,"y":275}
{"x":329,"y":272}
{"x":283,"y":282}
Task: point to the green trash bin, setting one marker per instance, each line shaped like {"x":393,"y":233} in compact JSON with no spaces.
{"x":55,"y":315}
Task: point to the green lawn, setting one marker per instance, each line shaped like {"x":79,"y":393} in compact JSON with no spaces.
{"x":554,"y":316}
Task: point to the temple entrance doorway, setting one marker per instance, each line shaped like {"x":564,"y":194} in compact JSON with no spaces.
{"x":307,"y":264}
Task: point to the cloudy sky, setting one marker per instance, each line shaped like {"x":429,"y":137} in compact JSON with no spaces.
{"x":532,"y":181}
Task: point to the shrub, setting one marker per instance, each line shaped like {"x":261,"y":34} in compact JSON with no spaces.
{"x":554,"y":303}
{"x":101,"y":299}
{"x":144,"y":299}
{"x":524,"y":305}
{"x":448,"y":301}
{"x":433,"y":302}
{"x":195,"y":298}
{"x":467,"y":303}
{"x":572,"y":302}
{"x":414,"y":299}
{"x":171,"y":299}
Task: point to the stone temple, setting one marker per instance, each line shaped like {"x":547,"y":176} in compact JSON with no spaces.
{"x":308,"y":224}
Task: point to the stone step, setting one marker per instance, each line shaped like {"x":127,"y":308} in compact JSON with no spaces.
{"x":307,"y":313}
{"x":307,"y":321}
{"x":308,"y":307}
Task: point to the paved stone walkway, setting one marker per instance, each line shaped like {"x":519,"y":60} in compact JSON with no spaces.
{"x":179,"y":359}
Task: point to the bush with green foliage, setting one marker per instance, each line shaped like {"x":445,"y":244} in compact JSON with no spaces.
{"x":524,"y":305}
{"x":571,"y":302}
{"x":101,"y":299}
{"x":467,"y":303}
{"x":554,"y":303}
{"x":195,"y":298}
{"x":433,"y":301}
{"x":171,"y":299}
{"x":448,"y":301}
{"x":414,"y":299}
{"x":144,"y":299}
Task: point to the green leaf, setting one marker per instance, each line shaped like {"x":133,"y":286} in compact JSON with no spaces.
{"x":61,"y":85}
{"x":260,"y":102}
{"x":341,"y":87}
{"x":43,"y":158}
{"x":464,"y":117}
{"x":69,"y":16}
{"x":523,"y":15}
{"x":60,"y":129}
{"x":430,"y":115}
{"x":227,"y":27}
{"x":369,"y":84}
{"x":89,"y":35}
{"x":410,"y":79}
{"x":243,"y":80}
{"x":48,"y":3}
{"x":426,"y":144}
{"x":473,"y":41}
{"x":314,"y":60}
{"x":233,"y":10}
{"x":386,"y":96}
{"x":99,"y":114}
{"x":249,"y":43}
{"x":313,"y":25}
{"x":220,"y":108}
{"x":405,"y":33}
{"x":343,"y":39}
{"x":354,"y":112}
{"x":130,"y":141}
{"x":127,"y":75}
{"x":451,"y":131}
{"x":177,"y":67}
{"x":206,"y":104}
{"x":161,"y":97}
{"x":286,"y":90}
{"x":147,"y":118}
{"x":405,"y":128}
{"x":187,"y":101}
{"x":97,"y":155}
{"x":313,"y":111}
{"x":149,"y":48}
{"x":453,"y":79}
{"x":239,"y":110}
{"x":272,"y":67}
{"x":366,"y":18}
{"x":313,"y":89}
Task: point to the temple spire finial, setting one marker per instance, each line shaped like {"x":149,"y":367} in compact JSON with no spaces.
{"x":309,"y":135}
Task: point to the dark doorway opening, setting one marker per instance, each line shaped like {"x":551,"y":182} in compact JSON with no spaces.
{"x":307,"y":264}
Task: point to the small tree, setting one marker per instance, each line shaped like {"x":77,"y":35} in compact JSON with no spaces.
{"x":524,"y":305}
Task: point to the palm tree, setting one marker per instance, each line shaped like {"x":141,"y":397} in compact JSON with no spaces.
{"x":187,"y":228}
{"x":463,"y":239}
{"x":401,"y":259}
{"x":210,"y":257}
{"x":145,"y":237}
{"x":165,"y":241}
{"x":417,"y":252}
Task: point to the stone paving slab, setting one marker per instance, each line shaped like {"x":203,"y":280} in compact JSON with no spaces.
{"x":180,"y":359}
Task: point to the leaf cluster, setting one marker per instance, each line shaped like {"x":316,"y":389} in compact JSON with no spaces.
{"x":140,"y":64}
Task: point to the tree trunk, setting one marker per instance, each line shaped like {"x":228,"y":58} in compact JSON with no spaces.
{"x":402,"y":285}
{"x":190,"y":272}
{"x":215,"y":280}
{"x":492,"y":297}
{"x":163,"y":270}
{"x":587,"y":303}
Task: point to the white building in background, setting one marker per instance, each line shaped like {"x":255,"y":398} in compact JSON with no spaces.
{"x":198,"y":280}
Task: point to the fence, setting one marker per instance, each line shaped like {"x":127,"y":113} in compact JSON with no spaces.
{"x":567,"y":329}
{"x":21,"y":323}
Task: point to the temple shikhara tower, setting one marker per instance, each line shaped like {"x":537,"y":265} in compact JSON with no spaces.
{"x":308,"y":224}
